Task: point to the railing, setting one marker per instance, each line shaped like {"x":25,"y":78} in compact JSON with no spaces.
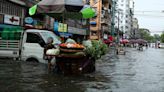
{"x":9,"y":44}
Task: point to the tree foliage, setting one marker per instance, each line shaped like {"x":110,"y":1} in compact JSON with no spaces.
{"x":157,"y":37}
{"x":162,"y":37}
{"x":145,"y":34}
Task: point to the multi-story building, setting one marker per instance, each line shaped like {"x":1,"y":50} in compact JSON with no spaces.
{"x":15,"y":12}
{"x":12,"y":12}
{"x":95,"y":23}
{"x":100,"y":24}
{"x":40,"y":20}
{"x":106,"y":18}
{"x":124,"y":16}
{"x":135,"y":33}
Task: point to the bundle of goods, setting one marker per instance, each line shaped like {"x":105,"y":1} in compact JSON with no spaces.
{"x":53,"y":52}
{"x":95,"y":48}
{"x":70,"y":49}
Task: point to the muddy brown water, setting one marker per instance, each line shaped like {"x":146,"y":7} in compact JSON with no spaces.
{"x":137,"y":71}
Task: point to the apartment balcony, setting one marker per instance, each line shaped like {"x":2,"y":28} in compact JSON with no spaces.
{"x":94,"y":37}
{"x":104,"y":21}
{"x":107,"y":1}
{"x":18,"y":2}
{"x":94,"y":28}
{"x":105,"y":28}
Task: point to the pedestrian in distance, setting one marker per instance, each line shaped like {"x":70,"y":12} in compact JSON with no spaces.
{"x":146,"y":45}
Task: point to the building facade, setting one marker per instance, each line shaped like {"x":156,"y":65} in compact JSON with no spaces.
{"x":106,"y":16}
{"x":124,"y":16}
{"x":101,"y":23}
{"x":135,"y":33}
{"x":12,"y":12}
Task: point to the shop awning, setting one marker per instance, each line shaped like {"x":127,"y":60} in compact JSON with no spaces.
{"x":93,"y":23}
{"x":78,"y":31}
{"x":62,"y":34}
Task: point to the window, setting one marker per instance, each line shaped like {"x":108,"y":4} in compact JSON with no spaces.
{"x":95,"y":1}
{"x":126,"y":21}
{"x":126,"y":16}
{"x":127,"y":5}
{"x":47,"y":35}
{"x":94,"y":25}
{"x":35,"y":38}
{"x":93,"y":33}
{"x":10,"y":8}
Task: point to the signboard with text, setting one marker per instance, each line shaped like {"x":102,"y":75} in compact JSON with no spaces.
{"x":62,"y":27}
{"x":29,"y":20}
{"x":79,"y":31}
{"x":14,"y":20}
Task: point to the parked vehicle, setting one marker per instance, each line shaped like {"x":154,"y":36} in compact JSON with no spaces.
{"x":161,"y":45}
{"x":29,"y":46}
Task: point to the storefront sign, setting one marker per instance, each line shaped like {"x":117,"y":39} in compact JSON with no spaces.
{"x":29,"y":20}
{"x":105,"y":36}
{"x":8,"y":19}
{"x":79,"y":31}
{"x":1,"y":18}
{"x":56,"y":26}
{"x":62,"y":27}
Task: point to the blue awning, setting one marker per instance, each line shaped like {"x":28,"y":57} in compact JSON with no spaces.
{"x":62,"y":34}
{"x":93,"y":23}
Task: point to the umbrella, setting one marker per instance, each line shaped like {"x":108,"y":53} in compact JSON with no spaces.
{"x":141,"y":41}
{"x":124,"y":41}
{"x":107,"y":41}
{"x":56,"y":8}
{"x":88,"y":13}
{"x":132,"y":41}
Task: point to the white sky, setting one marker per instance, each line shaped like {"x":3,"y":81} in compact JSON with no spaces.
{"x":149,"y":14}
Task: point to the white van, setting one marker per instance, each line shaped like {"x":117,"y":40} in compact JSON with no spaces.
{"x":30,"y":47}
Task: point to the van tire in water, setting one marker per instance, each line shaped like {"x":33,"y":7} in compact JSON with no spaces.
{"x":32,"y":60}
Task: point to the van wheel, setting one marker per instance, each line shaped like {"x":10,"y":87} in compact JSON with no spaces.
{"x":32,"y":60}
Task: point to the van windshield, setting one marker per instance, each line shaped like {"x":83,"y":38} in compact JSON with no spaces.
{"x":46,"y":35}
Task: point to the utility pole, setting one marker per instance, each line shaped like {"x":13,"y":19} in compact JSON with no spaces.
{"x":118,"y":33}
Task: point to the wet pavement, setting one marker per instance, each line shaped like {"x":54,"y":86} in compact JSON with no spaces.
{"x":137,"y":71}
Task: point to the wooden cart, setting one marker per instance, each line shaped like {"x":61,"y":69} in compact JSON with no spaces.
{"x":120,"y":50}
{"x":73,"y":64}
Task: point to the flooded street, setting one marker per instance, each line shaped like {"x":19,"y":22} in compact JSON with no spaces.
{"x":137,"y":71}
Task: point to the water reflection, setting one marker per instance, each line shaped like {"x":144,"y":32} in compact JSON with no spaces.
{"x":134,"y":72}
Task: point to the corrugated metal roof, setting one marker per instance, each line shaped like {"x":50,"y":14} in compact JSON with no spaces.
{"x":18,"y":2}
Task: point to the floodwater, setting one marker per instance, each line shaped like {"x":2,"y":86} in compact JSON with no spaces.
{"x":137,"y":71}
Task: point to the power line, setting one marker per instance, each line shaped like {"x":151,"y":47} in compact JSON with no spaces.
{"x":150,"y":11}
{"x":148,"y":15}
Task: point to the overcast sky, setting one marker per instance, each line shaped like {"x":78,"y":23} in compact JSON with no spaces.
{"x":149,"y":14}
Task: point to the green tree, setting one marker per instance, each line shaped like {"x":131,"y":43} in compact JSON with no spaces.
{"x":162,"y":37}
{"x":157,"y":37}
{"x":145,"y":34}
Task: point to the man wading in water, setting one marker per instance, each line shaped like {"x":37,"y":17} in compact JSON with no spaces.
{"x":48,"y":46}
